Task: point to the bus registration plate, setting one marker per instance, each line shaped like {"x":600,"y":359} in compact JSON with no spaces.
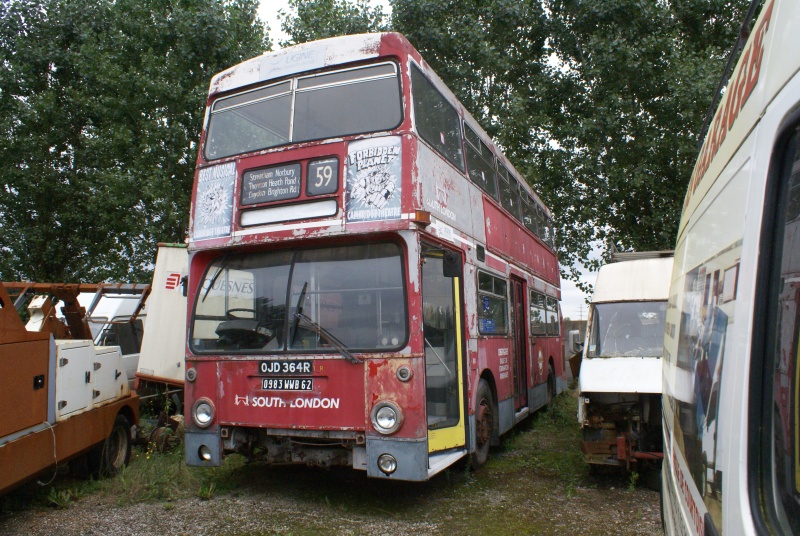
{"x":287,"y":384}
{"x":286,"y":367}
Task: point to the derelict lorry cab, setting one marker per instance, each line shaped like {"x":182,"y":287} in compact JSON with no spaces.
{"x":619,"y":403}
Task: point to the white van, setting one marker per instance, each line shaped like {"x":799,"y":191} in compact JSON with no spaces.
{"x":731,"y":378}
{"x":619,"y":385}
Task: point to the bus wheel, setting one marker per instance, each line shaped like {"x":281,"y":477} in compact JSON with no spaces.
{"x":484,"y":425}
{"x":108,"y":458}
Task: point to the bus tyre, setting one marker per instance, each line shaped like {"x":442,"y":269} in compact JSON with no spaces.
{"x":108,"y":458}
{"x":485,"y":416}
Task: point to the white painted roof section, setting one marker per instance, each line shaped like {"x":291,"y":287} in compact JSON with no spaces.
{"x":636,"y":280}
{"x":297,"y":59}
{"x":620,"y":375}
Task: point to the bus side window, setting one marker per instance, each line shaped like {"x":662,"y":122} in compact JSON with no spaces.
{"x":552,"y":316}
{"x":538,"y":314}
{"x":492,"y":304}
{"x":437,"y":122}
{"x":779,"y":468}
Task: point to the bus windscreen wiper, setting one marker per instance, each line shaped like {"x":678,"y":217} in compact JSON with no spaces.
{"x":310,"y":325}
{"x":216,"y":275}
{"x":298,"y":313}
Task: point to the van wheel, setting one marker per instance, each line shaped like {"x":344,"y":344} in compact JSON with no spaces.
{"x":108,"y":458}
{"x":485,"y":416}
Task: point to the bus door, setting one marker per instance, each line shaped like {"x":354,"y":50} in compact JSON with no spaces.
{"x":520,"y":357}
{"x":443,"y":337}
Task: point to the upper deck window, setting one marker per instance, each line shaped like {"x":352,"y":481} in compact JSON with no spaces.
{"x":480,"y":162}
{"x":437,"y":121}
{"x":324,"y":105}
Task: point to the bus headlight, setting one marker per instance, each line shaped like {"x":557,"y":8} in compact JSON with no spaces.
{"x":387,"y":463}
{"x":386,"y":417}
{"x":203,"y":413}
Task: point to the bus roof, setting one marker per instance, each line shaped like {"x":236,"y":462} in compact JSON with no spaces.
{"x":635,"y":280}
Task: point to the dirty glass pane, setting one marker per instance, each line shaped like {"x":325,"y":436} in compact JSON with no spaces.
{"x":439,"y":331}
{"x":552,"y":316}
{"x":481,"y":172}
{"x":781,"y":481}
{"x":437,"y":122}
{"x":492,"y":304}
{"x":240,"y":129}
{"x":353,"y":293}
{"x":329,"y":105}
{"x":634,"y":329}
{"x":341,"y":110}
{"x":529,"y":215}
{"x":510,"y":198}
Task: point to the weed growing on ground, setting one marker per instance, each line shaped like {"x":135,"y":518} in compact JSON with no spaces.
{"x":634,"y":477}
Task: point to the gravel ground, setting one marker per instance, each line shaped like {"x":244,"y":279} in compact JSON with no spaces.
{"x":535,"y":483}
{"x":620,"y":512}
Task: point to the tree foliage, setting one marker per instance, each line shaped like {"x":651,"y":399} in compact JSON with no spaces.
{"x":101,"y":105}
{"x":318,"y":19}
{"x":598,"y":104}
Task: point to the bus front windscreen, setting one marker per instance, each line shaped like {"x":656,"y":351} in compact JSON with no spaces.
{"x":324,"y":105}
{"x":627,"y":329}
{"x":313,"y":300}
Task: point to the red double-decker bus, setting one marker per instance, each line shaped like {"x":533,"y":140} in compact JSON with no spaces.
{"x":371,"y":284}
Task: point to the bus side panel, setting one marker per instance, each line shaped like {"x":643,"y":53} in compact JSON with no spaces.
{"x":504,"y":235}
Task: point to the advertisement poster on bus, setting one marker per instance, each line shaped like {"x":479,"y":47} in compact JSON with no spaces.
{"x":214,"y":202}
{"x":706,"y":313}
{"x":374,"y":179}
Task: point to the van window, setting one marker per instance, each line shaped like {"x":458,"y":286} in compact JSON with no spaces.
{"x":627,"y":329}
{"x":780,"y":456}
{"x":126,"y":335}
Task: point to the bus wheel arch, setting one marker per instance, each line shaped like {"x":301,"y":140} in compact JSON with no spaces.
{"x":551,"y":381}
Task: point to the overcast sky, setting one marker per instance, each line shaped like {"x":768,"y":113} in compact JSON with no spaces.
{"x":572,"y":299}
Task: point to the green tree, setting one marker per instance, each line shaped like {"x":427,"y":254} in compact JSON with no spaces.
{"x":102,"y":104}
{"x":627,"y":99}
{"x":598,"y":104}
{"x":318,"y":19}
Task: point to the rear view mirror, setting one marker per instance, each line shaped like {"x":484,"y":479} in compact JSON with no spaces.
{"x":452,"y":264}
{"x":575,"y":343}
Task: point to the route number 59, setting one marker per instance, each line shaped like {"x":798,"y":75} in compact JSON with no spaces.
{"x":323,"y":176}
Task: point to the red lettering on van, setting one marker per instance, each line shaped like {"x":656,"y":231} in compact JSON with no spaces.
{"x":739,"y":91}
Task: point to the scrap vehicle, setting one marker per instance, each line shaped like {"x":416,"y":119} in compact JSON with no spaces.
{"x":114,"y":313}
{"x":371,"y":282}
{"x":619,"y":402}
{"x":65,"y":400}
{"x":161,"y":368}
